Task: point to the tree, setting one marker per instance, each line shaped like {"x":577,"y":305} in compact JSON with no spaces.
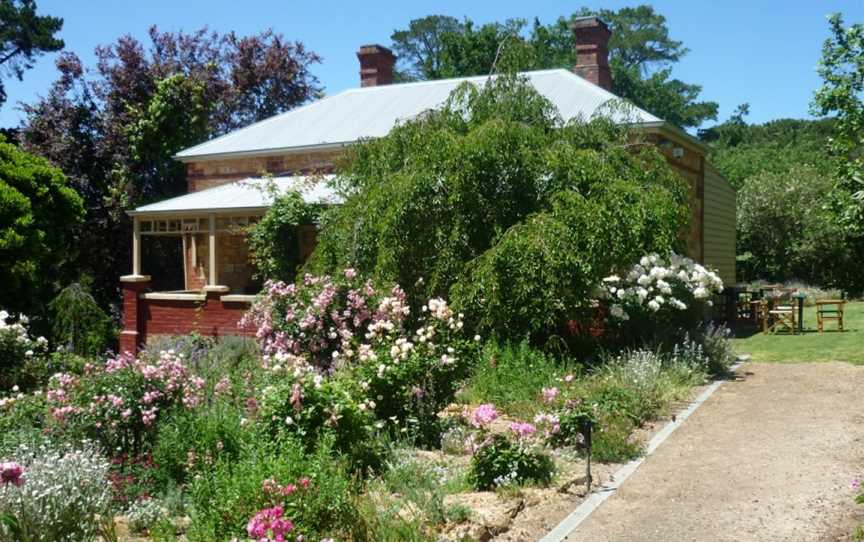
{"x":498,"y":204}
{"x":115,"y":129}
{"x":24,"y":36}
{"x":640,"y":50}
{"x":842,"y":95}
{"x":38,"y":215}
{"x":419,"y":48}
{"x":789,"y":229}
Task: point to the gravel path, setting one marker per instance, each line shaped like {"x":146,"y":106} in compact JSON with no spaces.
{"x":769,"y":457}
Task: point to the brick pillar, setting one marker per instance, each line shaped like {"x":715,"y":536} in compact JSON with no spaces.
{"x":134,"y":333}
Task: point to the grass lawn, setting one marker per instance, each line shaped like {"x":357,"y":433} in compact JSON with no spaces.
{"x":811,"y":345}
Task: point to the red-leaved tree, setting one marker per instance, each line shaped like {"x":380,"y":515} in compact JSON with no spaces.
{"x":113,"y":128}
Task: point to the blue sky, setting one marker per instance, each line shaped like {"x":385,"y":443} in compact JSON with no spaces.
{"x":757,"y":51}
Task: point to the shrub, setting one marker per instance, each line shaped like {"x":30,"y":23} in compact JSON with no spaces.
{"x":39,"y":213}
{"x":188,"y":442}
{"x":717,"y":348}
{"x":310,"y":408}
{"x":789,"y":225}
{"x":512,"y":377}
{"x":118,"y":404}
{"x":223,"y":502}
{"x":16,"y":349}
{"x":64,"y":496}
{"x":500,"y":461}
{"x":495,"y":202}
{"x":80,"y":325}
{"x":145,"y":514}
{"x":274,"y":246}
{"x":342,"y":326}
{"x":660,"y":298}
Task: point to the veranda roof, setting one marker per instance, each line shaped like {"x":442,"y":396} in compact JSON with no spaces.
{"x":372,"y":112}
{"x":249,"y":194}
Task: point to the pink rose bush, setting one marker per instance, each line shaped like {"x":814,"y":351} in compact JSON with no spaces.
{"x":343,"y":352}
{"x":118,"y":403}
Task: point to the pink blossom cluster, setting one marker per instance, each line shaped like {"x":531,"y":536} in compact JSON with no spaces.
{"x":522,"y":430}
{"x":322,"y":322}
{"x":126,"y":392}
{"x":273,"y":488}
{"x":11,"y":473}
{"x":269,"y":525}
{"x":483,"y":415}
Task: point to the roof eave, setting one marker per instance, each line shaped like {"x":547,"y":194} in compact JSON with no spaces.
{"x":197,"y":212}
{"x":185,"y":158}
{"x":667,"y":128}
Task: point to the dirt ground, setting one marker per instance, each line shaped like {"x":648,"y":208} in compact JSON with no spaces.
{"x":769,"y":457}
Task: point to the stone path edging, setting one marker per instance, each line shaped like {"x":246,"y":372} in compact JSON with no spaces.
{"x":599,"y":496}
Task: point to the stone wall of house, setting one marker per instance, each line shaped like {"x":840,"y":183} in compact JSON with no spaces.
{"x":205,"y":174}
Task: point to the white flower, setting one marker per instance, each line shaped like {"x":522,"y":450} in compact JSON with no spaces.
{"x":653,"y":305}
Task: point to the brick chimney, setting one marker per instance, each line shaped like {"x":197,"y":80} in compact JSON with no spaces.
{"x":376,"y":65}
{"x":592,"y":51}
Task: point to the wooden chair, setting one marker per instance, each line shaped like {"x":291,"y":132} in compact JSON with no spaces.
{"x":829,"y":309}
{"x":784,"y":315}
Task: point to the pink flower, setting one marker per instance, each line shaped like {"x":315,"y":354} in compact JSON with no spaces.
{"x":856,"y":483}
{"x":483,"y":415}
{"x":523,"y":429}
{"x":304,"y":482}
{"x":268,"y":525}
{"x":549,"y":394}
{"x":350,"y":273}
{"x":11,"y":473}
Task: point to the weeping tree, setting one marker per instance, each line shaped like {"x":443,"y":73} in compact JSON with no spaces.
{"x":497,"y":203}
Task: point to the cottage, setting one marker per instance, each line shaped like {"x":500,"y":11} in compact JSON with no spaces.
{"x":226,"y":183}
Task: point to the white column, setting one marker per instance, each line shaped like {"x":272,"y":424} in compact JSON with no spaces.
{"x":211,"y":280}
{"x":136,"y":246}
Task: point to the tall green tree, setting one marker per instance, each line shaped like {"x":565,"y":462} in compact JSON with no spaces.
{"x":113,"y":129}
{"x":641,"y":55}
{"x":24,"y":36}
{"x":496,"y":203}
{"x":842,"y":96}
{"x":38,"y":215}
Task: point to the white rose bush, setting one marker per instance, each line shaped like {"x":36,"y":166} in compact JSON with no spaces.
{"x":660,"y":297}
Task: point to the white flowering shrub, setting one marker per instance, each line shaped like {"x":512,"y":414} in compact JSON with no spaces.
{"x":144,"y":514}
{"x":17,"y":347}
{"x":660,"y":297}
{"x":62,"y":494}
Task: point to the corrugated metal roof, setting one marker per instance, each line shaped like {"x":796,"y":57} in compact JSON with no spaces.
{"x":373,"y":111}
{"x":245,"y":195}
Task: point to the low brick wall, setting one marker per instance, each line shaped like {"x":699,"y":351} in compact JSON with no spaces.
{"x":207,"y":315}
{"x":212,"y":317}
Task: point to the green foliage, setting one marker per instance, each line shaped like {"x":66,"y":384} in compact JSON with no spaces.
{"x":459,"y":200}
{"x":188,"y":442}
{"x":80,"y":325}
{"x":223,"y":501}
{"x":511,"y":376}
{"x":790,"y":229}
{"x":25,"y":36}
{"x":311,"y":409}
{"x":500,"y":461}
{"x":842,"y":95}
{"x":38,"y":210}
{"x":274,"y":245}
{"x":640,"y":51}
{"x":740,"y":150}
